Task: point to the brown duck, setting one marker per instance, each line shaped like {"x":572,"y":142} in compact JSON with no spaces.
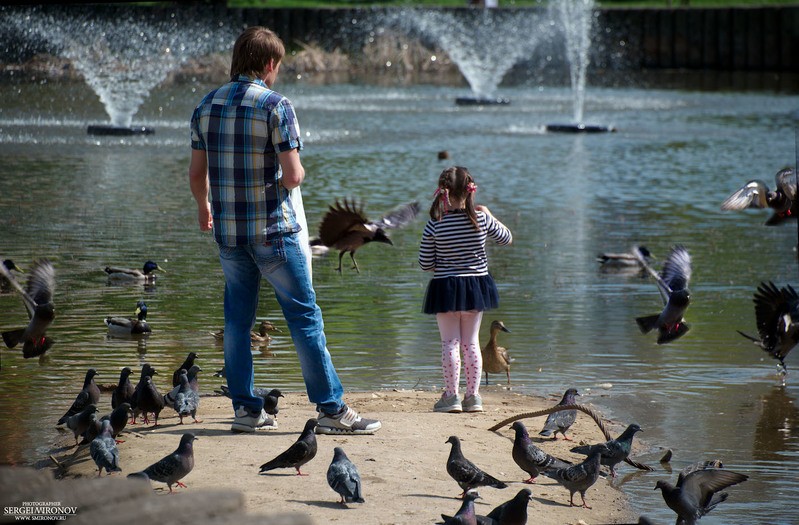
{"x":495,"y":358}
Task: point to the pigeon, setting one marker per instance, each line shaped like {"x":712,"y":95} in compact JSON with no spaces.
{"x":118,"y":418}
{"x":146,"y":371}
{"x":149,"y":400}
{"x":621,"y":261}
{"x":562,"y":420}
{"x":756,"y":194}
{"x":174,"y":467}
{"x":614,"y":451}
{"x":5,"y":282}
{"x":183,"y":399}
{"x":496,"y":358}
{"x":673,"y":286}
{"x":697,"y":491}
{"x":299,"y":453}
{"x":145,"y":275}
{"x":529,"y":457}
{"x":466,"y":473}
{"x":270,"y":397}
{"x":104,"y":452}
{"x":777,"y":316}
{"x":466,"y":514}
{"x":346,"y":228}
{"x":89,"y":395}
{"x":127,"y":326}
{"x":578,"y":478}
{"x":187,"y":364}
{"x":343,"y":477}
{"x":123,"y":393}
{"x":513,"y":511}
{"x":38,"y":299}
{"x":78,"y":423}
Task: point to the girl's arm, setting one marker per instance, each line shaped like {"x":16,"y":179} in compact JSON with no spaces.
{"x":495,"y":229}
{"x":427,"y":248}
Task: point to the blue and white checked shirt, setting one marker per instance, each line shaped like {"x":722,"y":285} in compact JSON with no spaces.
{"x":242,"y":126}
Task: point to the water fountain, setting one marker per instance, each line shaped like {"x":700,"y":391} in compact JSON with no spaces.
{"x":122,"y":58}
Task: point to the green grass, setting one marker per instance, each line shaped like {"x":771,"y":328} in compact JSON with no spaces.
{"x":502,"y":3}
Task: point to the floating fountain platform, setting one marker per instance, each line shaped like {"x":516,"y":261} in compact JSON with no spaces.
{"x":579,"y":128}
{"x":480,"y":101}
{"x":119,"y":131}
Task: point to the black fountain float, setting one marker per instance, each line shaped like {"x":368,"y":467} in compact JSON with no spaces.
{"x":481,"y":101}
{"x":579,"y":128}
{"x":118,"y":131}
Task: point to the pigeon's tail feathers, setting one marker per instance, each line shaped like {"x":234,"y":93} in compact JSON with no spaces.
{"x":546,"y":432}
{"x":494,"y":482}
{"x":714,"y":500}
{"x":271,"y":465}
{"x":356,"y":499}
{"x":139,"y":475}
{"x":583,"y":449}
{"x":647,"y":323}
{"x":12,"y":337}
{"x":224,"y":390}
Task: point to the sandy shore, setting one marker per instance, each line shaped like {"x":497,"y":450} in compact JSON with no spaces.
{"x":402,"y":466}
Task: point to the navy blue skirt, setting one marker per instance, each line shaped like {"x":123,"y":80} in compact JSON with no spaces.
{"x":460,"y":294}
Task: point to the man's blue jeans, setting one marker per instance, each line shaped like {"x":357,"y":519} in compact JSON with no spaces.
{"x":283,"y":263}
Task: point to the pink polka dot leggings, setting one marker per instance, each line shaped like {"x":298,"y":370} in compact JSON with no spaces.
{"x":460,"y":330}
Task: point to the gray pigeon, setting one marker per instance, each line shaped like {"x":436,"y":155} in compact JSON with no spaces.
{"x":513,"y":511}
{"x":756,"y":194}
{"x":81,"y":421}
{"x":299,"y":453}
{"x":529,"y":457}
{"x":89,"y":395}
{"x":270,"y":397}
{"x":183,"y":399}
{"x":146,"y":371}
{"x":672,"y":283}
{"x":465,"y":472}
{"x":38,"y":299}
{"x":466,"y":514}
{"x":187,"y":364}
{"x":696,"y":492}
{"x":777,"y":317}
{"x":194,"y":383}
{"x":149,"y":400}
{"x":103,"y":450}
{"x":563,"y":420}
{"x":124,"y":390}
{"x":578,"y":478}
{"x":343,"y":477}
{"x":174,"y":467}
{"x":614,"y":451}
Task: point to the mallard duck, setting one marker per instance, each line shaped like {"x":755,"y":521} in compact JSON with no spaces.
{"x":145,"y":275}
{"x":130,"y":325}
{"x":5,"y":283}
{"x":261,"y":337}
{"x":495,"y":357}
{"x":625,"y":260}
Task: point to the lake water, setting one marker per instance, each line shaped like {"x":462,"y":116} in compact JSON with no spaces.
{"x":86,"y":202}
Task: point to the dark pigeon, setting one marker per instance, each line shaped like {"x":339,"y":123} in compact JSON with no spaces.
{"x":124,"y":390}
{"x":174,"y":467}
{"x":150,"y":401}
{"x":146,"y":371}
{"x":578,"y":478}
{"x":529,"y":457}
{"x":299,"y":453}
{"x":756,"y":194}
{"x":89,"y":395}
{"x":118,"y":418}
{"x":81,"y":421}
{"x":614,"y":451}
{"x":343,"y":477}
{"x":103,"y":450}
{"x":193,"y":379}
{"x":513,"y":511}
{"x":466,"y":514}
{"x":38,"y":299}
{"x":697,"y":491}
{"x":187,"y":364}
{"x":672,"y":283}
{"x":270,"y":397}
{"x":777,"y":317}
{"x":563,"y":420}
{"x":183,"y":399}
{"x":465,"y":472}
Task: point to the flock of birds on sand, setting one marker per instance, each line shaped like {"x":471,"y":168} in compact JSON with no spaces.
{"x":345,"y":227}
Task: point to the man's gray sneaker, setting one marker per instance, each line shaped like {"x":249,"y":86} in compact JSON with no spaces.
{"x":347,"y":421}
{"x":247,"y":421}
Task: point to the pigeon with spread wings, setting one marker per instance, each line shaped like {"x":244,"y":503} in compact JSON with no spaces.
{"x":672,"y":283}
{"x":346,"y":228}
{"x":756,"y":194}
{"x":38,"y":299}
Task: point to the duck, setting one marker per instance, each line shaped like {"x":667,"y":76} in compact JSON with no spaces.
{"x":145,"y":275}
{"x":5,"y":283}
{"x":619,"y":261}
{"x":261,"y":337}
{"x":495,"y":357}
{"x":756,"y":194}
{"x":130,"y":325}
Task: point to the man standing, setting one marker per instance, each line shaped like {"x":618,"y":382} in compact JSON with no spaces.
{"x":245,"y":142}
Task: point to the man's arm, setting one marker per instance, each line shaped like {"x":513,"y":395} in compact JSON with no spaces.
{"x":293,"y":172}
{"x":198,"y":182}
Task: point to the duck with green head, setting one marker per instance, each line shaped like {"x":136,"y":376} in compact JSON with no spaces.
{"x":145,"y":275}
{"x":130,"y":325}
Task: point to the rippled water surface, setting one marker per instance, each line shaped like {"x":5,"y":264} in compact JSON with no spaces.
{"x":87,"y":202}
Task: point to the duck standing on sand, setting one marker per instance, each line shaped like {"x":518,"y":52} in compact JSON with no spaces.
{"x":496,"y":358}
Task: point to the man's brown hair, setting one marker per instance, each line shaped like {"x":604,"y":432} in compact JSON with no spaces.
{"x":253,"y":50}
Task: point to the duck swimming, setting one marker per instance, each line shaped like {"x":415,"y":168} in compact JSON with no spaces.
{"x":261,"y":337}
{"x":495,"y":357}
{"x":145,"y":275}
{"x":130,"y":325}
{"x":619,"y":261}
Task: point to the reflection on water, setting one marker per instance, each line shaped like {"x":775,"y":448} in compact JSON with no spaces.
{"x":88,"y":202}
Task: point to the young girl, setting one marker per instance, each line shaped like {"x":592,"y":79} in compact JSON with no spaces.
{"x":453,"y":246}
